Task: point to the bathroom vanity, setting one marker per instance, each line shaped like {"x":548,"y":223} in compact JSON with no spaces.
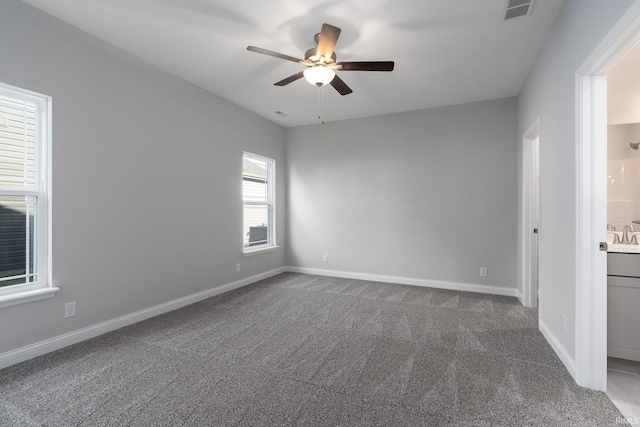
{"x":623,"y":302}
{"x":623,"y":238}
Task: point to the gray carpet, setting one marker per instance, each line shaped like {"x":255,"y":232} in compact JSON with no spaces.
{"x":310,"y":350}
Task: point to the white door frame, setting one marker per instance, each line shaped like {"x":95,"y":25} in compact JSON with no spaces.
{"x":591,"y":200}
{"x":529,"y":289}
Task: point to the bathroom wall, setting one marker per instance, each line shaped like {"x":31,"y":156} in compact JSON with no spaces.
{"x":623,"y":175}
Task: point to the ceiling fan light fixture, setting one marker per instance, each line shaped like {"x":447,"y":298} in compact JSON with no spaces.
{"x":319,"y":75}
{"x":321,"y":62}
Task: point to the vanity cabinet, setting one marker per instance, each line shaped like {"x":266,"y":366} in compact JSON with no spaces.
{"x":623,"y":305}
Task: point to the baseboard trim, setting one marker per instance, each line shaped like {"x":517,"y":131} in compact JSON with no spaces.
{"x":566,"y":359}
{"x":623,"y":353}
{"x":43,"y":347}
{"x":56,"y":343}
{"x":466,"y":287}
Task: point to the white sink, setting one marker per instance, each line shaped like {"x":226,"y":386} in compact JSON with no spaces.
{"x":635,"y":249}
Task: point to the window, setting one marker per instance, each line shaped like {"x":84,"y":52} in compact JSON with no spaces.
{"x":24,"y":196}
{"x":258,"y":194}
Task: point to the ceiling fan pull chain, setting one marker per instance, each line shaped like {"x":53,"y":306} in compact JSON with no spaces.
{"x":321,"y":104}
{"x":318,"y":106}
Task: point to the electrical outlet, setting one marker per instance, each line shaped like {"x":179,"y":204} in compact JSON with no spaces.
{"x":564,"y":324}
{"x":70,"y":309}
{"x":484,"y":272}
{"x":325,"y":258}
{"x":238,"y":268}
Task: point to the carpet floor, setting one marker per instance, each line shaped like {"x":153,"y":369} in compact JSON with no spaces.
{"x":306,"y":350}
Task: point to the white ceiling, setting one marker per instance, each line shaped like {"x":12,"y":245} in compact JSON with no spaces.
{"x":445,"y":52}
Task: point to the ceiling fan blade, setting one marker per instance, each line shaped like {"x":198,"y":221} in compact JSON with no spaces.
{"x":327,"y":41}
{"x":272,"y":53}
{"x":289,"y":79}
{"x":365,"y":66}
{"x":340,"y":86}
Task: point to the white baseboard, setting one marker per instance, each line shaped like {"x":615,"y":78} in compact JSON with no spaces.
{"x":467,"y":287}
{"x":623,"y":353}
{"x":520,"y":296}
{"x":566,"y":359}
{"x":43,"y":347}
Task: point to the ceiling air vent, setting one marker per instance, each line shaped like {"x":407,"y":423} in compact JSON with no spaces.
{"x":517,"y":8}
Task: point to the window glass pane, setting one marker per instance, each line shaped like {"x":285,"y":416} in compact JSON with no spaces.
{"x":18,"y":240}
{"x":256,"y":225}
{"x":17,"y":143}
{"x":254,"y":191}
{"x":254,"y":180}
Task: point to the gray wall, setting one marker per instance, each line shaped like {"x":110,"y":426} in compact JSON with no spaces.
{"x":549,"y":94}
{"x":147,"y":174}
{"x":427,"y":195}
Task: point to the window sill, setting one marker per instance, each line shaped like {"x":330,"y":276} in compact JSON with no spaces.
{"x":27,"y":296}
{"x":251,"y":252}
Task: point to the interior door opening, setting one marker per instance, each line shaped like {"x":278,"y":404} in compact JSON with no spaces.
{"x":535,"y":223}
{"x":531,"y":221}
{"x":591,"y":200}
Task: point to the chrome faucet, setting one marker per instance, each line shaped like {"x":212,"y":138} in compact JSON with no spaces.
{"x":611,"y":229}
{"x":625,"y":235}
{"x":616,"y":239}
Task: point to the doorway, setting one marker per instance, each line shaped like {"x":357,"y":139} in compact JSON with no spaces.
{"x":531,"y":209}
{"x":591,"y":204}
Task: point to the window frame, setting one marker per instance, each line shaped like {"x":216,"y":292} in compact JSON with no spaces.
{"x":270,"y":203}
{"x":42,"y":288}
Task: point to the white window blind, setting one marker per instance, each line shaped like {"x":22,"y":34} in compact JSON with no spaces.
{"x":17,"y":143}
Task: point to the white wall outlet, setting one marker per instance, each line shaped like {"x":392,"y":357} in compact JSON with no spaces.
{"x":70,"y":309}
{"x":238,"y":268}
{"x":564,"y":324}
{"x":325,"y":258}
{"x":484,"y":272}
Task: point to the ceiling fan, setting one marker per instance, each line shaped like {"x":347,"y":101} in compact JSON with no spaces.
{"x":321,"y":62}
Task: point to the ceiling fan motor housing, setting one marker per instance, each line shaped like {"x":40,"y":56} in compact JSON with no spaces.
{"x":310,"y":55}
